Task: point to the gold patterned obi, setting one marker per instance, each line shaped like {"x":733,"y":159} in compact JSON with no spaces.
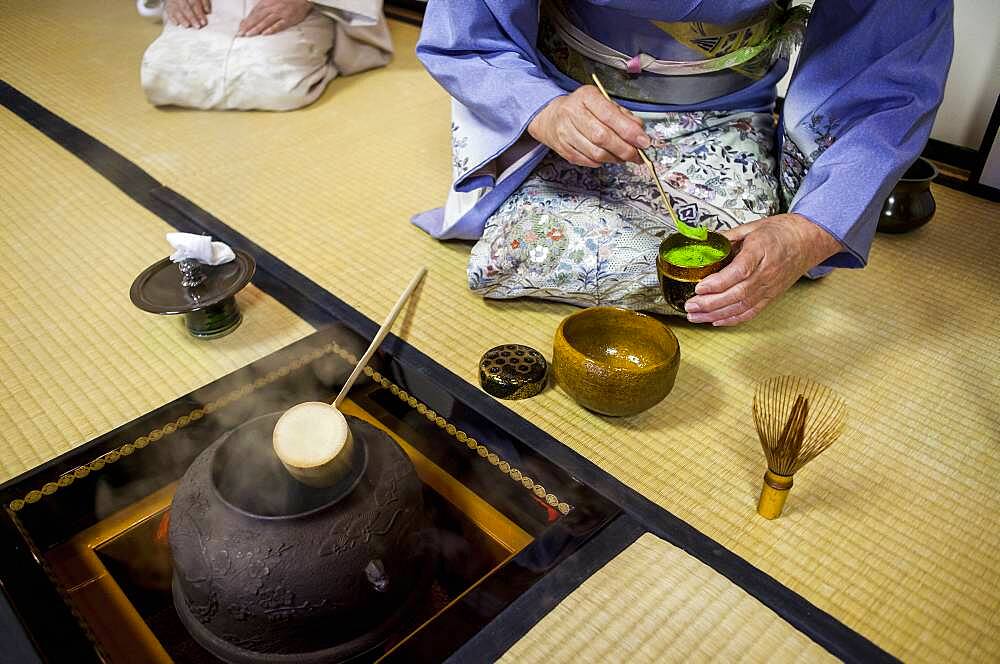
{"x":725,"y":58}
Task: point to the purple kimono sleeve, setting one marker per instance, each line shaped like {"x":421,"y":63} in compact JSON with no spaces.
{"x":481,"y":52}
{"x":859,"y":110}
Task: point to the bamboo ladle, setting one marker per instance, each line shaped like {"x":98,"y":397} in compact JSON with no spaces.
{"x":312,"y":439}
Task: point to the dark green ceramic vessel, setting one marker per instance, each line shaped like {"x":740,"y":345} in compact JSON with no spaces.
{"x":209,"y":307}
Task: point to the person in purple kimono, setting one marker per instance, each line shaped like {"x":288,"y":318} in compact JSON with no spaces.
{"x":546,"y":174}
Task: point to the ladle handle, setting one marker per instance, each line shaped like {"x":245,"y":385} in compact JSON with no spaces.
{"x":379,"y":336}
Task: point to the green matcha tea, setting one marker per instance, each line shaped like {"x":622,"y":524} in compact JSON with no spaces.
{"x":694,"y":255}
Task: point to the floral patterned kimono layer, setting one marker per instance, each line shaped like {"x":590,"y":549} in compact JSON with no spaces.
{"x":702,"y":75}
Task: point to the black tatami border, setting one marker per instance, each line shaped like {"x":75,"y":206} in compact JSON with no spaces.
{"x":524,"y":613}
{"x":318,"y":306}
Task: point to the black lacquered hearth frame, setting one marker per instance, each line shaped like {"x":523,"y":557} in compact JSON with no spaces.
{"x":55,"y":632}
{"x":155,"y":450}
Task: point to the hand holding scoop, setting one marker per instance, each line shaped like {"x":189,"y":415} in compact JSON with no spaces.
{"x":693,"y":232}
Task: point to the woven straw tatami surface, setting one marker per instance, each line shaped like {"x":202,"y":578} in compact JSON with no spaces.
{"x":895,"y":530}
{"x":77,"y":359}
{"x":658,"y":604}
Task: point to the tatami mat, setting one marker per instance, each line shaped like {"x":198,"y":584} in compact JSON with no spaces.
{"x":895,"y":530}
{"x":654,"y":603}
{"x":77,"y":359}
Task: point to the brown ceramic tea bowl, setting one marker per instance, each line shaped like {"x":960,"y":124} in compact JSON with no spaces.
{"x":678,"y":281}
{"x":615,"y":361}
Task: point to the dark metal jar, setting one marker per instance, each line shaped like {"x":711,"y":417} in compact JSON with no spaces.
{"x":910,"y":204}
{"x":269,"y":570}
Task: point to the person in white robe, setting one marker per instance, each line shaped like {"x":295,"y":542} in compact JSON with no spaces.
{"x":273,"y":55}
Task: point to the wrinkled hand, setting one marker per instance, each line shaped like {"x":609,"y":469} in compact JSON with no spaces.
{"x":773,"y":254}
{"x":188,"y":13}
{"x":588,"y":130}
{"x":271,"y":16}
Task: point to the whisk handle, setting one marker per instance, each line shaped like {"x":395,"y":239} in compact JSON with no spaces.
{"x":773,"y":494}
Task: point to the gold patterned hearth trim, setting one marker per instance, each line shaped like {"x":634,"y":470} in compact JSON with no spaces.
{"x":471,"y":443}
{"x":111,"y":456}
{"x":53,"y":581}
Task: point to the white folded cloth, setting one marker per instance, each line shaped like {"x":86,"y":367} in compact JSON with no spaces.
{"x":200,"y":248}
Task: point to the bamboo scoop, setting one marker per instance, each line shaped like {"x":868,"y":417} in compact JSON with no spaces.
{"x":312,"y":439}
{"x":693,"y":232}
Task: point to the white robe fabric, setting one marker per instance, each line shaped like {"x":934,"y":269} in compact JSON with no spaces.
{"x":212,"y":68}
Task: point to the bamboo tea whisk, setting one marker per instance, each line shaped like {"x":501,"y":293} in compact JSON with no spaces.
{"x":796,"y":421}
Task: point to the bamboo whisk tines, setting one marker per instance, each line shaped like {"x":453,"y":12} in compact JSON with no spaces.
{"x":785,"y":454}
{"x":796,"y":421}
